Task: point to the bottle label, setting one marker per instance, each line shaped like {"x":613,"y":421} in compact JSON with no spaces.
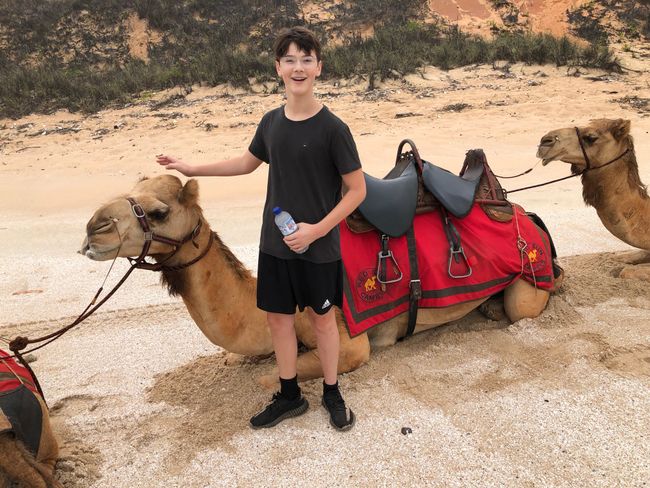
{"x":288,"y":227}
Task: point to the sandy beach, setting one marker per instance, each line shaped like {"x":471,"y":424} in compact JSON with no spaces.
{"x":140,"y":398}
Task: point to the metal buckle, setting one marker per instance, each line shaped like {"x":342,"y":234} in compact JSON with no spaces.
{"x":148,"y":236}
{"x":138,"y":211}
{"x":453,"y":254}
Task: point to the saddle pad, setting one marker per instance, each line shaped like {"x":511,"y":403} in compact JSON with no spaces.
{"x":8,"y":380}
{"x":491,"y":250}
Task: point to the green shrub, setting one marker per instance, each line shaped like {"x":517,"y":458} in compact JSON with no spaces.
{"x":202,"y":40}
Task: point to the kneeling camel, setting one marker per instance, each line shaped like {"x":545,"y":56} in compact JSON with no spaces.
{"x":28,"y":447}
{"x":219,"y":291}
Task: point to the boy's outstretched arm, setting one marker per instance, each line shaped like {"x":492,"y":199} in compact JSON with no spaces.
{"x":240,"y":165}
{"x":355,"y":186}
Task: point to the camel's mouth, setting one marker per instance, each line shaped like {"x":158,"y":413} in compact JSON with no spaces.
{"x":543,"y":154}
{"x":100,"y":255}
{"x":90,"y":251}
{"x":544,"y":149}
{"x":545,"y":161}
{"x":547,"y":154}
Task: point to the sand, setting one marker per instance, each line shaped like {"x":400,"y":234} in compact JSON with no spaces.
{"x":140,"y":397}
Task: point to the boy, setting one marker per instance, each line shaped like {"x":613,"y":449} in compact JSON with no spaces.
{"x":310,"y":153}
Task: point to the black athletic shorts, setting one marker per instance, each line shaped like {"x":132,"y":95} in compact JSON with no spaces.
{"x":284,"y":283}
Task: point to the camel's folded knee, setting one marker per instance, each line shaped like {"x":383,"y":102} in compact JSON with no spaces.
{"x":355,"y":354}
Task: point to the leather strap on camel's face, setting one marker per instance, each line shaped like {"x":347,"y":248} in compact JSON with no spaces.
{"x":150,"y":236}
{"x":588,"y":162}
{"x":584,"y":151}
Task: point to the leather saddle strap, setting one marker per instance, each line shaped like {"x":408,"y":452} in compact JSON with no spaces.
{"x":382,"y":262}
{"x":456,"y":252}
{"x":415,"y":287}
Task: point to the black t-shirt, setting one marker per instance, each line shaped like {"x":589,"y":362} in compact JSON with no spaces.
{"x":306,"y":160}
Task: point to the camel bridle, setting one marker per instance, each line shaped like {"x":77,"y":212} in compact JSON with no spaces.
{"x":19,"y":343}
{"x":150,"y":236}
{"x":588,"y":167}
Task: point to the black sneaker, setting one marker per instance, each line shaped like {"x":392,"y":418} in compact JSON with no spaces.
{"x":341,"y":418}
{"x":279,"y":409}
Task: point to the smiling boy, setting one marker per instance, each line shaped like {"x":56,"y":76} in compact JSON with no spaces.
{"x":311,"y":154}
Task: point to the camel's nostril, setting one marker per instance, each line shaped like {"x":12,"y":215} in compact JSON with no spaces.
{"x":547,"y":141}
{"x":102,"y":227}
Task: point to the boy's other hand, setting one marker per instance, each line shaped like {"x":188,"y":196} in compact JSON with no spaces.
{"x":170,"y":162}
{"x":303,"y":237}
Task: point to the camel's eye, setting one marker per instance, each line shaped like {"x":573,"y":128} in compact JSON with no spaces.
{"x":590,"y":138}
{"x":158,"y":214}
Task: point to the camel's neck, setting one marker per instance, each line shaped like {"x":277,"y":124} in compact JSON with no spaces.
{"x":219,"y":293}
{"x":621,"y":200}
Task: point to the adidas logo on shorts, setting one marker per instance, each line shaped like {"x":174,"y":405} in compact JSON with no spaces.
{"x":326,"y":304}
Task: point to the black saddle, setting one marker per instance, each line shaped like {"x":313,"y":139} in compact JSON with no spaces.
{"x":412,"y":187}
{"x":455,"y":193}
{"x":390,"y":204}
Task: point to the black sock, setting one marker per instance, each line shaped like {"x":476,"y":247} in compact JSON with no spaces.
{"x":327,"y":387}
{"x":289,"y":388}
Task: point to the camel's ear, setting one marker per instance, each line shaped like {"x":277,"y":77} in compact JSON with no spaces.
{"x":620,"y":129}
{"x":189,"y":194}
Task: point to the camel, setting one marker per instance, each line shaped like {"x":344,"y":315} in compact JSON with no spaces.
{"x":17,"y":463}
{"x":610,"y":182}
{"x":220,"y":294}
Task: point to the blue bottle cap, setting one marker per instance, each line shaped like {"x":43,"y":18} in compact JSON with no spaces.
{"x":277,"y":210}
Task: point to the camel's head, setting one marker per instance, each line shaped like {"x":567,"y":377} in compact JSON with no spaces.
{"x":603,"y":140}
{"x":171,"y":209}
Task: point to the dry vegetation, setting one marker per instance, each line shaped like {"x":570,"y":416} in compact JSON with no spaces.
{"x":88,"y":54}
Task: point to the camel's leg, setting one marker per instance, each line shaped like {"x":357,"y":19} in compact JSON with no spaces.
{"x":638,"y":272}
{"x":48,"y":449}
{"x":352,"y":354}
{"x":234,"y":359}
{"x":493,"y":308}
{"x":634,"y":257}
{"x":15,"y":463}
{"x":523,"y":300}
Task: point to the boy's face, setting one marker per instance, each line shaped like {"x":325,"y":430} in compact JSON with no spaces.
{"x":298,"y":70}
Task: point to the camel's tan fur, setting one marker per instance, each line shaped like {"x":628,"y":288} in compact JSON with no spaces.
{"x":615,"y":191}
{"x":19,"y":465}
{"x":220,"y":293}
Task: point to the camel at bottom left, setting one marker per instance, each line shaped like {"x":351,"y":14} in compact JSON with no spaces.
{"x":220,"y":293}
{"x":28,"y":447}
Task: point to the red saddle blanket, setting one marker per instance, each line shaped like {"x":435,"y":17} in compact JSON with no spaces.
{"x":8,"y":380}
{"x":492,"y":250}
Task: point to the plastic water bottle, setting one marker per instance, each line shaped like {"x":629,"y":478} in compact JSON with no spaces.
{"x":286,"y":224}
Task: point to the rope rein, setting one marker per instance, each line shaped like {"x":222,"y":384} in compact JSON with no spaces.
{"x":588,"y":167}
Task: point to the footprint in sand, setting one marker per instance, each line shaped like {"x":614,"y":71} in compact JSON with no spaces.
{"x":631,"y":361}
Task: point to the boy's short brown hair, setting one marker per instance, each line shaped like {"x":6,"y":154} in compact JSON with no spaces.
{"x":301,"y":36}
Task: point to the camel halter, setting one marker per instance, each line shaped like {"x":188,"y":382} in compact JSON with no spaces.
{"x":19,"y":343}
{"x":588,"y":167}
{"x":150,"y":236}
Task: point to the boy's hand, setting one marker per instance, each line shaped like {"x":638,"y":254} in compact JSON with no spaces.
{"x":303,"y":237}
{"x":170,"y":162}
